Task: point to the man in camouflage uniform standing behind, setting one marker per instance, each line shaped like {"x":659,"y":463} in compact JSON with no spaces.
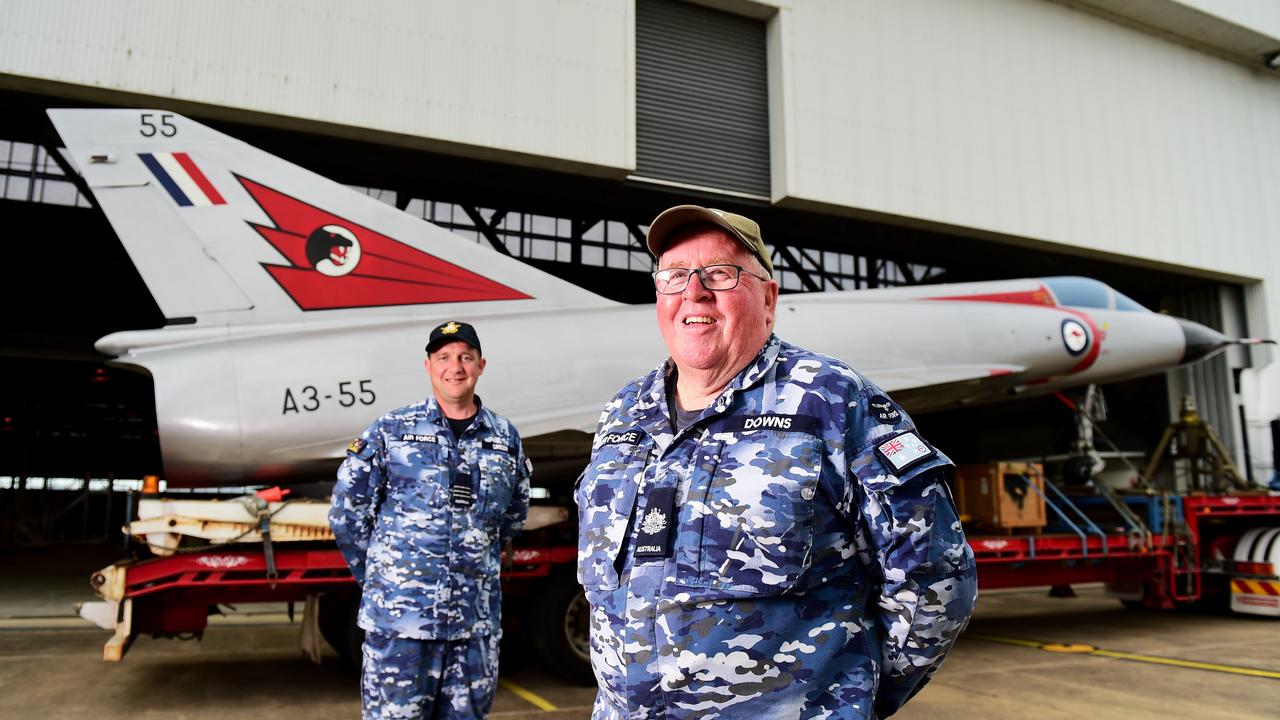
{"x":763,"y":533}
{"x":424,"y":503}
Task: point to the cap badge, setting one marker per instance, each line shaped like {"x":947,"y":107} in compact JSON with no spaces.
{"x":451,"y":328}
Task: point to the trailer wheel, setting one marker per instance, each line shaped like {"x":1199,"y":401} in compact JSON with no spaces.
{"x":560,"y":629}
{"x":337,"y":621}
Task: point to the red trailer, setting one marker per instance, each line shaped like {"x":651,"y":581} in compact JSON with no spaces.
{"x":1153,"y":551}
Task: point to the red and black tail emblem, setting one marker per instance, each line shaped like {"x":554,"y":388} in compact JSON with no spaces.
{"x":339,"y":264}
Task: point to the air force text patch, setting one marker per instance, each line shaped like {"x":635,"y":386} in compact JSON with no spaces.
{"x":623,"y":437}
{"x":411,"y":437}
{"x":904,"y":451}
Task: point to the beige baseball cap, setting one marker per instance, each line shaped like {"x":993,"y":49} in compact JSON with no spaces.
{"x":744,"y":229}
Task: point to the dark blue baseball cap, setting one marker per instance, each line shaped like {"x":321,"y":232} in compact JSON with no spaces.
{"x":451,"y":331}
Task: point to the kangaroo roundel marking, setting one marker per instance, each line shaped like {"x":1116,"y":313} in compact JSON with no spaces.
{"x":1074,"y":336}
{"x":333,"y":250}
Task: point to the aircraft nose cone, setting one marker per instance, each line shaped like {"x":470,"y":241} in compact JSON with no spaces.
{"x":1201,"y":341}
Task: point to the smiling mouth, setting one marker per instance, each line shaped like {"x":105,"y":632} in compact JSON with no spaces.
{"x":698,"y":320}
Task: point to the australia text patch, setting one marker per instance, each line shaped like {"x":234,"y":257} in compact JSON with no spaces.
{"x":623,"y":437}
{"x":883,"y":409}
{"x":767,"y":421}
{"x":904,"y":450}
{"x":653,"y":528}
{"x":411,"y":437}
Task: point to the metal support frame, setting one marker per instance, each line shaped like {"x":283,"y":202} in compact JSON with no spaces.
{"x":35,"y":174}
{"x":1196,"y":443}
{"x":489,"y":228}
{"x":804,"y":262}
{"x":44,"y":516}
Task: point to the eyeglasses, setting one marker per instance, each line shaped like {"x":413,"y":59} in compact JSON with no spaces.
{"x":673,"y":281}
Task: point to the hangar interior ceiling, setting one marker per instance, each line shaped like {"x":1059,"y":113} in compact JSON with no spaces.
{"x":71,"y":415}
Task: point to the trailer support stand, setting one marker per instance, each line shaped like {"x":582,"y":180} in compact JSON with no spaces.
{"x":115,"y":648}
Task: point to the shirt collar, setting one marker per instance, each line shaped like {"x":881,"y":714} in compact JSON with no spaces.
{"x":650,"y":409}
{"x":436,"y":415}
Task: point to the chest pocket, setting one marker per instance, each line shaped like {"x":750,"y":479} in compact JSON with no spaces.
{"x":605,"y":498}
{"x":746,"y":528}
{"x":416,"y":476}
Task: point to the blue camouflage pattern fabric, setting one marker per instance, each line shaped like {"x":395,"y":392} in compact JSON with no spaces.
{"x":428,"y":568}
{"x":816,"y":568}
{"x":441,"y":679}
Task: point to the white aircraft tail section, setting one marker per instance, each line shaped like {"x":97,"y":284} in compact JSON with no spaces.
{"x":224,"y":233}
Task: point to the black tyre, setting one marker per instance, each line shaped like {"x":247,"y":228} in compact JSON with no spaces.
{"x":559,"y":629}
{"x":337,"y":621}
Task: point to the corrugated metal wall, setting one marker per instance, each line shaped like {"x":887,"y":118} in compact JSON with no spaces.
{"x":702,"y":97}
{"x":1211,"y":383}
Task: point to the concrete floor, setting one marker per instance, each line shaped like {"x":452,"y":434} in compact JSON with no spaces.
{"x":248,"y":665}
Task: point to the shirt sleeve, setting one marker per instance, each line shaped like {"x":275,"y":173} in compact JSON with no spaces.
{"x":356,"y":497}
{"x":928,"y":575}
{"x":518,"y":509}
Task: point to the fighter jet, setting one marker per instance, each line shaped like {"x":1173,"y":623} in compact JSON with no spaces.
{"x":297,"y":311}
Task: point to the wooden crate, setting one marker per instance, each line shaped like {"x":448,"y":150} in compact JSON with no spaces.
{"x":995,"y":495}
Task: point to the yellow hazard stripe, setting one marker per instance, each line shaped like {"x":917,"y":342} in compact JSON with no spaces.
{"x":1255,"y":587}
{"x":527,"y":695}
{"x":1084,"y":649}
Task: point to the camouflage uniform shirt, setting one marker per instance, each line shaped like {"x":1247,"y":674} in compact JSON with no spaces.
{"x":813,"y":566}
{"x":428,"y":566}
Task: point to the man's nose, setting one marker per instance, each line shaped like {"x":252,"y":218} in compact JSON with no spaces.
{"x":695,"y":290}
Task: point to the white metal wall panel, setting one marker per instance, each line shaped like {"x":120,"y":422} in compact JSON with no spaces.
{"x":1260,"y":15}
{"x":548,"y":79}
{"x":1033,"y":121}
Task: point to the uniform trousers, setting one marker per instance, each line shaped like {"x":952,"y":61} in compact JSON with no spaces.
{"x":409,"y":679}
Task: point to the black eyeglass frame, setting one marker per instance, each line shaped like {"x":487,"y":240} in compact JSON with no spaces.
{"x":702,"y":278}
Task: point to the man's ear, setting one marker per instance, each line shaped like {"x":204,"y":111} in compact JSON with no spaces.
{"x":770,"y":302}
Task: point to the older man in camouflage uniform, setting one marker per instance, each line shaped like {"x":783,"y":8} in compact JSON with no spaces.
{"x":425,"y":500}
{"x":764,"y":534}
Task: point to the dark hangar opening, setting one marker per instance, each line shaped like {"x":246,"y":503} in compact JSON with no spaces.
{"x":76,"y":283}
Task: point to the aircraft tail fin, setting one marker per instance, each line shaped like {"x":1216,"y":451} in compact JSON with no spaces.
{"x":224,"y":233}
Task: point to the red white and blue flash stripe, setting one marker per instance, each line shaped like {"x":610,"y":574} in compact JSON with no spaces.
{"x":179,"y":175}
